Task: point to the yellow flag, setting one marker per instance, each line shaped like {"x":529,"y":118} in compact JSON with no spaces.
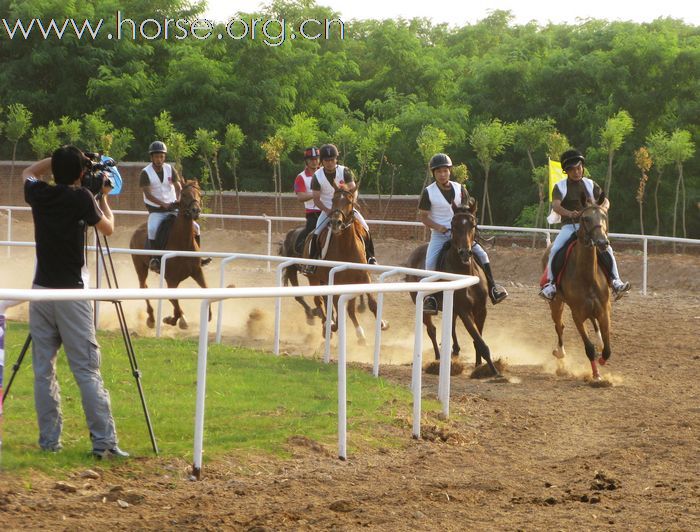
{"x":556,"y":174}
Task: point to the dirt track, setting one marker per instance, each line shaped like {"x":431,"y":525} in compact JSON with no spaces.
{"x":544,"y":451}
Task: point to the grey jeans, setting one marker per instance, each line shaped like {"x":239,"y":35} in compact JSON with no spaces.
{"x":52,"y":323}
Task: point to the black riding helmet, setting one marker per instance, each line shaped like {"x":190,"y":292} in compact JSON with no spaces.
{"x":328,"y":151}
{"x":440,"y":160}
{"x":157,"y":146}
{"x":571,"y":158}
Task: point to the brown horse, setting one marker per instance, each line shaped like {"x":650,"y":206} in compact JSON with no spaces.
{"x":469,"y":303}
{"x":584,"y":287}
{"x":181,"y":238}
{"x":346,"y":245}
{"x":288,"y":248}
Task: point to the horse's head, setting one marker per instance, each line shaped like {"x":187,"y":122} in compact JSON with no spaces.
{"x":342,"y":213}
{"x":191,"y":200}
{"x":594,"y":226}
{"x":464,"y":230}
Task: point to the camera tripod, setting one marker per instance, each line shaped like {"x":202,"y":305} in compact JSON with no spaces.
{"x":111,"y":276}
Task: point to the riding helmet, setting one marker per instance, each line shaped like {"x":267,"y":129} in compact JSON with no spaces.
{"x":157,"y":147}
{"x":571,"y":158}
{"x":440,"y":160}
{"x":328,"y":151}
{"x":311,"y":152}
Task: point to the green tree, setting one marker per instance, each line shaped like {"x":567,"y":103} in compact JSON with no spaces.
{"x":44,"y":140}
{"x":274,"y":148}
{"x":681,"y":148}
{"x":179,"y":147}
{"x":208,"y":147}
{"x":660,"y":151}
{"x":612,"y":135}
{"x":346,"y":139}
{"x":69,"y":129}
{"x":19,"y":118}
{"x":430,"y":140}
{"x":233,"y":140}
{"x":489,"y":140}
{"x":643,"y":161}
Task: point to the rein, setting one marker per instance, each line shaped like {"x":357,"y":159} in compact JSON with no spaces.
{"x":588,"y":231}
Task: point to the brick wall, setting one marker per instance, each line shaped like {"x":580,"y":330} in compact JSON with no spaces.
{"x":401,"y":208}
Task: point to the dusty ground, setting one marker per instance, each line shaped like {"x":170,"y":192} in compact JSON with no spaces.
{"x":544,"y":451}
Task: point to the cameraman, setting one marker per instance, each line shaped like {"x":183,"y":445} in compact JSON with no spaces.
{"x":61,"y":215}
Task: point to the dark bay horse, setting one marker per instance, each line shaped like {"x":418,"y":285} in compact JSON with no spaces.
{"x":584,"y":287}
{"x":180,"y":238}
{"x":469,"y":303}
{"x":288,"y":248}
{"x":346,"y":245}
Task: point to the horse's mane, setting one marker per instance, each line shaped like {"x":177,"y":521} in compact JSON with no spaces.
{"x":192,"y":183}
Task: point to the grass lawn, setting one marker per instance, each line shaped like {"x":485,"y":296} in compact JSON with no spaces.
{"x":255,"y":402}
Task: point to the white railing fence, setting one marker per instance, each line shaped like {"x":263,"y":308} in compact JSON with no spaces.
{"x":267,"y":220}
{"x":344,"y":291}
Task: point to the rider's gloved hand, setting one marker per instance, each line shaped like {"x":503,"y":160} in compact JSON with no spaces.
{"x":172,"y":206}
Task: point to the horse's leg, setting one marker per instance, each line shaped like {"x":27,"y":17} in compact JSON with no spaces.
{"x":359,"y":331}
{"x":590,"y":348}
{"x":604,"y":322}
{"x":142,"y":273}
{"x":198,"y":277}
{"x":373,"y":307}
{"x":479,"y":314}
{"x":455,"y":342}
{"x":291,"y":275}
{"x":596,"y":329}
{"x":321,"y":312}
{"x":430,"y":327}
{"x":557,"y":309}
{"x":178,"y":316}
{"x":482,"y":350}
{"x":362,"y":307}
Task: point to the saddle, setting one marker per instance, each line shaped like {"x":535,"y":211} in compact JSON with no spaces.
{"x":164,"y":231}
{"x":324,"y":240}
{"x":561,"y":259}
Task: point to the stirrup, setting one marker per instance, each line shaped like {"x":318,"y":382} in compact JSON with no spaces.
{"x":430,"y":306}
{"x":205,"y":261}
{"x":371,"y":260}
{"x":548,"y":296}
{"x":497,"y":294}
{"x":620,"y":292}
{"x":308,"y":269}
{"x":154,"y":265}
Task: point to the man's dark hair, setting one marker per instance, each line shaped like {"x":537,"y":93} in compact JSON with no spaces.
{"x":67,"y":164}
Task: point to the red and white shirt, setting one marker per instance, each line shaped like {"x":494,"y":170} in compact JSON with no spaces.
{"x":302,"y":183}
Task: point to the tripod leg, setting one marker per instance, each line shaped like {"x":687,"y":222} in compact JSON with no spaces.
{"x":135,"y":371}
{"x":15,"y":367}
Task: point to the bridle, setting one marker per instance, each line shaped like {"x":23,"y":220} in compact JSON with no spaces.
{"x":346,"y":219}
{"x":192,"y":207}
{"x":464,"y":253}
{"x":588,"y":230}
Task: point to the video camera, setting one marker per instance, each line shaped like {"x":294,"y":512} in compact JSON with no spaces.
{"x":100,"y":171}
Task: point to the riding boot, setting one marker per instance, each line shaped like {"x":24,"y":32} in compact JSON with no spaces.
{"x":308,"y":269}
{"x":369,"y":250}
{"x":198,"y":239}
{"x":496,"y":292}
{"x":154,"y":263}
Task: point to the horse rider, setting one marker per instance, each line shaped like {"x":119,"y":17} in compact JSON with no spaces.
{"x":566,"y":208}
{"x":329,"y":177}
{"x":161,"y":187}
{"x":302,"y":189}
{"x":435,"y":211}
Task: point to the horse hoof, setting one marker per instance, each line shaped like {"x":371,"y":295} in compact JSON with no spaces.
{"x":182,"y":323}
{"x":385,"y":325}
{"x":151,"y":323}
{"x":557,"y":353}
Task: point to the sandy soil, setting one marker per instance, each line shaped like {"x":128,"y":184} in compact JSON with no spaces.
{"x":544,"y":451}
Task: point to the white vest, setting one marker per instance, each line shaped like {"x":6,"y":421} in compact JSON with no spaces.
{"x":327,"y":190}
{"x":308,"y":205}
{"x":164,"y":191}
{"x":555,"y":217}
{"x":440,"y":210}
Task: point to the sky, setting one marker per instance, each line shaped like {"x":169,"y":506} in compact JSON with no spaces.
{"x":459,"y":13}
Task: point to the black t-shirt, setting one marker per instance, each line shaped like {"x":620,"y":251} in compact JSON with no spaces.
{"x":61,"y":214}
{"x":449,"y":195}
{"x":575,"y":192}
{"x":348,"y":177}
